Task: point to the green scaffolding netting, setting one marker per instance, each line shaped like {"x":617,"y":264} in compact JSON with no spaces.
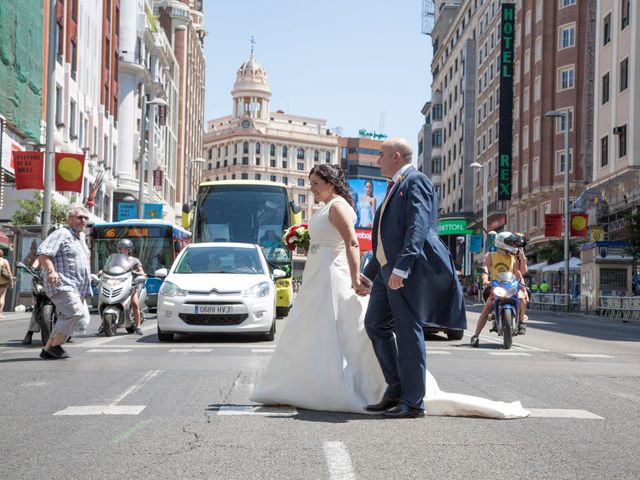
{"x":21,"y":66}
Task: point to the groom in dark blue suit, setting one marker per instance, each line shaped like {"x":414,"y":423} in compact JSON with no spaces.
{"x":412,"y":280}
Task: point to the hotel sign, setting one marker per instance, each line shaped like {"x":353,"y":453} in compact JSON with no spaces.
{"x":506,"y":102}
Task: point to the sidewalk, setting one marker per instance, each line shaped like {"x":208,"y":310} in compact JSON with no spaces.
{"x":476,"y":307}
{"x":15,"y":316}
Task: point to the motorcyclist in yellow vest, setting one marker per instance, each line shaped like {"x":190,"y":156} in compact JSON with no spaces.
{"x":502,"y":260}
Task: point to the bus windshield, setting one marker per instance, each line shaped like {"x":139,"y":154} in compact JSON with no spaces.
{"x":244,"y":213}
{"x":153,"y":245}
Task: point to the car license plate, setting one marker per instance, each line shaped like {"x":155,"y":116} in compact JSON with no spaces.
{"x":213,"y":309}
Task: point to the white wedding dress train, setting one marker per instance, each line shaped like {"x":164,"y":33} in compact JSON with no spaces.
{"x":324,"y":359}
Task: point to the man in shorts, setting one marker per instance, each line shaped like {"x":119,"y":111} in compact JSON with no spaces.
{"x":64,"y":257}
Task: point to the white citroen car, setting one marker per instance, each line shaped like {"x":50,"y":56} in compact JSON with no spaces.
{"x":218,"y":288}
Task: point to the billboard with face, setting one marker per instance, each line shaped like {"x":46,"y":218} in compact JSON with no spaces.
{"x":368,"y":195}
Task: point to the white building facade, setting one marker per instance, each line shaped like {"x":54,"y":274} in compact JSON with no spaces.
{"x":148,"y":68}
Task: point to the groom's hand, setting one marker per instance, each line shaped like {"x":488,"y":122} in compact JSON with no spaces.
{"x":395,"y":282}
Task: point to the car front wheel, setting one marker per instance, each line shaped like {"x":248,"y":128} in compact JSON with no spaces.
{"x":165,"y":336}
{"x":270,"y":336}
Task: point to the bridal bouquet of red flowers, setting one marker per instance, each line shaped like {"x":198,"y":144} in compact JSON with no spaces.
{"x":297,"y":236}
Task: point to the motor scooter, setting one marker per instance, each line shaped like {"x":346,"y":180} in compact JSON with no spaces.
{"x":116,"y":286}
{"x":44,"y":311}
{"x":505,"y":307}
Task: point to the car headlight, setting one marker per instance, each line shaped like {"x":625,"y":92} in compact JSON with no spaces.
{"x":261,"y":289}
{"x":169,"y":289}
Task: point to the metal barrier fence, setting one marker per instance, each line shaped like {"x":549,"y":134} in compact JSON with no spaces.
{"x":619,"y":307}
{"x":557,"y":302}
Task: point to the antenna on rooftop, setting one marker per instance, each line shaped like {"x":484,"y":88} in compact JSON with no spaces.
{"x":381,"y":123}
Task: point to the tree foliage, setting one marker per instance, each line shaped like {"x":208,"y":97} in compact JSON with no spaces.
{"x":30,"y":211}
{"x":553,"y":252}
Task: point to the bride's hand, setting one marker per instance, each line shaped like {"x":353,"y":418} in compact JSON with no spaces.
{"x":360,"y":288}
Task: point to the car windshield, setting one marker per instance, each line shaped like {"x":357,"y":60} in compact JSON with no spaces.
{"x":220,"y":260}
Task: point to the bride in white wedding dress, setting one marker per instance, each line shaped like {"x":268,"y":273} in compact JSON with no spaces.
{"x":324,"y":359}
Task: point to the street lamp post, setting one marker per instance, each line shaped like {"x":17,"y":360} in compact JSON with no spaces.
{"x":49,"y":156}
{"x":567,"y":166}
{"x":143,"y":128}
{"x":476,"y":165}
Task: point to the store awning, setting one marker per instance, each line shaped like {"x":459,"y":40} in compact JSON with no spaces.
{"x":537,"y":267}
{"x":4,"y":240}
{"x":574,"y":264}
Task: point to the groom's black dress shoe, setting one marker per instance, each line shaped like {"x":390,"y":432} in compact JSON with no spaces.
{"x":403,"y":411}
{"x":384,"y":404}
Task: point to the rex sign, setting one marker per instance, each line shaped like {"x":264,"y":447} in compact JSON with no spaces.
{"x":506,"y":101}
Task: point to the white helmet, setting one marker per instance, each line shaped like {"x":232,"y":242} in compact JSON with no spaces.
{"x":506,"y":241}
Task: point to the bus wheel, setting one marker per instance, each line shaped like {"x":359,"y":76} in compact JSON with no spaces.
{"x":282,"y":312}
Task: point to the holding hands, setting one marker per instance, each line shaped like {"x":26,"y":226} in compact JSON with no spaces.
{"x":362,"y":286}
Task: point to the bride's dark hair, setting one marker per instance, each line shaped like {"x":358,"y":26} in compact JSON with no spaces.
{"x":334,"y":175}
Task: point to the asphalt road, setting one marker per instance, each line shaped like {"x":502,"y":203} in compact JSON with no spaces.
{"x":130,"y":407}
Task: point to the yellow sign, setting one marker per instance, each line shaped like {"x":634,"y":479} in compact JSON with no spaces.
{"x":596,"y":234}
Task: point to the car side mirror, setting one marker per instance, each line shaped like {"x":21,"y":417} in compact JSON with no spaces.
{"x":278,"y":273}
{"x":161,"y":272}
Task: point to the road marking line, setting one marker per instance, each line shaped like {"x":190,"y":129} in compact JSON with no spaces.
{"x":102,"y":410}
{"x":437,"y":352}
{"x":589,"y":355}
{"x":563,"y":413}
{"x":147,"y":376}
{"x":510,"y":354}
{"x":263,"y":350}
{"x":499,"y":342}
{"x":18,"y":350}
{"x":258,"y":410}
{"x":109,"y":350}
{"x":96,"y":342}
{"x":189,"y":350}
{"x":338,"y":461}
{"x":137,"y":345}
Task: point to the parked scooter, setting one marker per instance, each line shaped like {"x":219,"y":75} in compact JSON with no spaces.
{"x":505,"y":307}
{"x":44,"y":311}
{"x":116,"y":286}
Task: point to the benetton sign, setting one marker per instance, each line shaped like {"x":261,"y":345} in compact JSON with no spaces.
{"x":506,"y":101}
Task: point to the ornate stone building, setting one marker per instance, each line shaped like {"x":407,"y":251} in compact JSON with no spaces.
{"x":255,"y":143}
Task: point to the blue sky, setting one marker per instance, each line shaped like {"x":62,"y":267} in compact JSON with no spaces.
{"x":347,"y":61}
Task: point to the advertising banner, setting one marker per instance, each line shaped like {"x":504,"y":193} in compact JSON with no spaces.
{"x":69,"y":172}
{"x":578,"y":224}
{"x":364,"y":239}
{"x":153,"y":211}
{"x":368,"y":195}
{"x":553,"y":225}
{"x":127,"y":210}
{"x":28,"y":168}
{"x":475,"y":243}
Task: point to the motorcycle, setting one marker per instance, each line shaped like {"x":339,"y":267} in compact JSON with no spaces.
{"x":116,"y":286}
{"x":44,"y":311}
{"x":505,"y":307}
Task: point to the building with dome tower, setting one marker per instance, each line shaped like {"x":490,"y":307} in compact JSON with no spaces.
{"x":255,"y":143}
